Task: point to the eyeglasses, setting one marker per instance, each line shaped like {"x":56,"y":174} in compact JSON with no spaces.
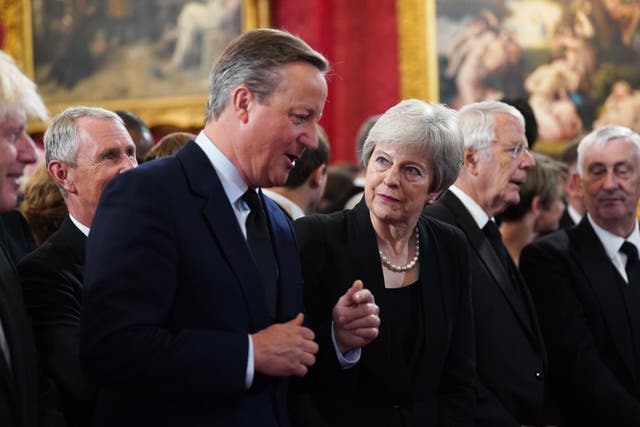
{"x":517,"y":150}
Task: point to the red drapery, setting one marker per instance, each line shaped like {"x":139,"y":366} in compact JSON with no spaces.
{"x":359,"y":37}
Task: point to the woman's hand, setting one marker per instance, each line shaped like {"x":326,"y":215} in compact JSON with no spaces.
{"x":355,"y":318}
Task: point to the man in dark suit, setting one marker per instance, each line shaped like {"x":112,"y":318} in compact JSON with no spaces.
{"x":84,"y":149}
{"x":192,"y":301}
{"x":510,"y":355}
{"x":19,"y":388}
{"x":587,"y":289}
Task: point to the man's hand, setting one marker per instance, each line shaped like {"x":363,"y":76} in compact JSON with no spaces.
{"x":355,"y":318}
{"x":284,"y":349}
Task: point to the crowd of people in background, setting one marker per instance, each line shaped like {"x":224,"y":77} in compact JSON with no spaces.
{"x":235,"y":277}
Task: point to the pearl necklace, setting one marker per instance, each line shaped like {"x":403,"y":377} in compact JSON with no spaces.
{"x":401,"y":268}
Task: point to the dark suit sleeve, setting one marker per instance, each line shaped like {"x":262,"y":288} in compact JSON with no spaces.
{"x":457,"y":395}
{"x":133,"y":277}
{"x":577,"y":371}
{"x":53,"y":301}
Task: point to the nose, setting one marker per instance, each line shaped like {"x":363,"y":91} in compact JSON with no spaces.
{"x":527,"y":160}
{"x":392,"y":177}
{"x":610,"y":180}
{"x":309,"y":138}
{"x":26,"y":148}
{"x":129,"y":162}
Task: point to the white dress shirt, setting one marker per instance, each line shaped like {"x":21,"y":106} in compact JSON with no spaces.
{"x":612,"y":244}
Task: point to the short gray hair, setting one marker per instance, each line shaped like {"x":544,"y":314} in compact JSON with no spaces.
{"x":432,"y":128}
{"x":255,"y":59}
{"x":61,"y":138}
{"x":17,"y":91}
{"x":602,"y":136}
{"x":478,"y":122}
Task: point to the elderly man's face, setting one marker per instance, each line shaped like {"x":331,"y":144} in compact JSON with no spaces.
{"x":105,"y":149}
{"x":278,"y":131}
{"x":501,"y":174}
{"x":16,"y":151}
{"x":610,"y":183}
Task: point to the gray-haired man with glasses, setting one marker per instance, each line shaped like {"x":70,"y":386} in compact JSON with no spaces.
{"x":510,"y":353}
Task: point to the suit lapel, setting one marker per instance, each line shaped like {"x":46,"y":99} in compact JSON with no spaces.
{"x":220,"y":217}
{"x":481,"y":245}
{"x":590,"y":255}
{"x":287,"y":257}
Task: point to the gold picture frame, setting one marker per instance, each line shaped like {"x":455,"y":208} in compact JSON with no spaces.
{"x":180,"y":110}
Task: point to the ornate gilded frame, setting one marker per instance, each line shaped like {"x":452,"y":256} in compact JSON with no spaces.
{"x":180,"y":111}
{"x":418,"y":55}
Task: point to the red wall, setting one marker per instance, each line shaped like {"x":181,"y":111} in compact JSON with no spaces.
{"x":359,"y":37}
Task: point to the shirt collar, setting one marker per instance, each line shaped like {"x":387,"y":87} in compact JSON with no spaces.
{"x":612,"y":242}
{"x":290,"y":207}
{"x":573,"y":214}
{"x":479,"y":215}
{"x":230,"y":178}
{"x":83,"y":228}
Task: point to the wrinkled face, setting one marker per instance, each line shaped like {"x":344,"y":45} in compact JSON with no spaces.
{"x":504,"y":169}
{"x":282,"y":128}
{"x":397,"y":185}
{"x":610,"y":182}
{"x":105,"y":149}
{"x":16,"y":151}
{"x":549,"y":217}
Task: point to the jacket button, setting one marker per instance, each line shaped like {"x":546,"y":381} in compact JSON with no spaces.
{"x":539,"y":375}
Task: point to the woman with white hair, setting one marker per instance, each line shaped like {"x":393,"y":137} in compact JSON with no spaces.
{"x":419,"y":371}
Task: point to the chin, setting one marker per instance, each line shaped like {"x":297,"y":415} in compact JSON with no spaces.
{"x":8,"y":202}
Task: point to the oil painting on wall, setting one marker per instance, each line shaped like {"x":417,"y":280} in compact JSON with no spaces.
{"x":575,"y":61}
{"x":118,"y":49}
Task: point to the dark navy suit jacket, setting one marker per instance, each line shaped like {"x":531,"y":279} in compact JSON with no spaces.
{"x":171,"y":295}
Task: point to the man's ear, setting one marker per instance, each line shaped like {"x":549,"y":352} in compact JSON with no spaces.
{"x":59,"y":171}
{"x":471,"y":159}
{"x":316,"y":177}
{"x":574,"y":185}
{"x":535,"y":206}
{"x":241,"y":100}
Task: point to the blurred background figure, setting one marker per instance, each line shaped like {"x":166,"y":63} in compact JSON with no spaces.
{"x":574,"y":205}
{"x":304,"y":188}
{"x":43,"y":205}
{"x":339,"y":188}
{"x":530,"y":122}
{"x":540,"y":208}
{"x":169,"y":144}
{"x":140,"y":133}
{"x":358,"y":182}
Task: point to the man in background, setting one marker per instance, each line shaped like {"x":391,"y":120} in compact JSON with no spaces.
{"x":510,"y":354}
{"x":85,"y":148}
{"x":586,"y":284}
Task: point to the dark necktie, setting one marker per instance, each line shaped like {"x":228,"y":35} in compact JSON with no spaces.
{"x":632,"y":267}
{"x":261,"y":249}
{"x":631,"y":293}
{"x":492,"y":233}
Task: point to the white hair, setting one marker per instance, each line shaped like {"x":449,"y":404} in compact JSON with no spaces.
{"x":17,"y":91}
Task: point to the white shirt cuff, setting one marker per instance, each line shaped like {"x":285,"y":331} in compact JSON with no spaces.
{"x":250,"y":368}
{"x":350,"y":358}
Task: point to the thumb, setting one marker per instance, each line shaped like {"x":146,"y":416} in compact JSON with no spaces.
{"x":297,"y":321}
